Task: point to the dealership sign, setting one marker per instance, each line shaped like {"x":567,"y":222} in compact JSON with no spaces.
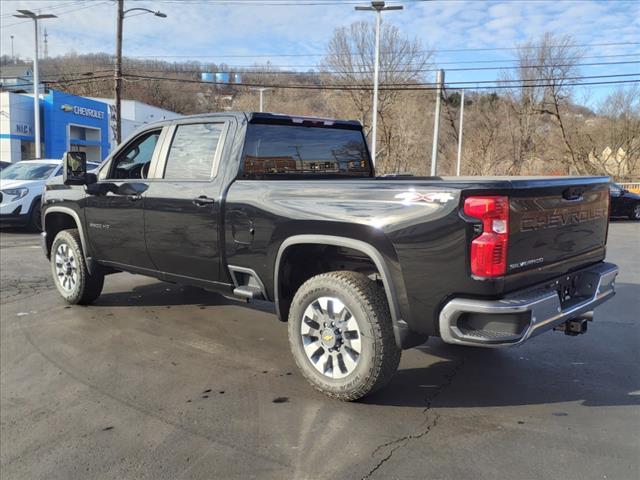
{"x":23,"y":129}
{"x":83,"y":111}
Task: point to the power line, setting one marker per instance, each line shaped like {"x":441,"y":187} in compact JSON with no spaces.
{"x":368,"y":87}
{"x":468,"y":62}
{"x":64,"y":81}
{"x":246,"y":70}
{"x":50,"y":8}
{"x":540,"y":83}
{"x":516,"y":81}
{"x":59,"y":14}
{"x":471,"y":82}
{"x":334,"y":72}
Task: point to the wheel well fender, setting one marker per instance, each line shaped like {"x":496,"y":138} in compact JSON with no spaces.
{"x":400,"y":328}
{"x":57,"y":219}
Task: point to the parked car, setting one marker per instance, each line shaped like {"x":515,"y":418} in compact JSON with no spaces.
{"x":289,"y":210}
{"x":21,"y":187}
{"x":624,"y":203}
{"x":4,"y":165}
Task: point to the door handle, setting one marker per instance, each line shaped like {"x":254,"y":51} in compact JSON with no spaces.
{"x":134,"y":198}
{"x":203,"y":201}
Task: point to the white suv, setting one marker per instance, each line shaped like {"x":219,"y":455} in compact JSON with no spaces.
{"x":21,"y":188}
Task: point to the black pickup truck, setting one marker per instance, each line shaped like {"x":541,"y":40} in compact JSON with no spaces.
{"x":289,"y":210}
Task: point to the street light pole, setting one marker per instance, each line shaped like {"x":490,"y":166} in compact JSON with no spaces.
{"x":436,"y":122}
{"x":377,"y":7}
{"x":261,"y":90}
{"x":117,"y":77}
{"x":376,"y":72}
{"x":36,"y":76}
{"x":460,"y":134}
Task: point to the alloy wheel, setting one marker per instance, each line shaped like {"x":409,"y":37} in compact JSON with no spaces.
{"x":66,"y":267}
{"x":331,"y":337}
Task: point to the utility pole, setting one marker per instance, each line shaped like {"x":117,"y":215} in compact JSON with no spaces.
{"x":46,"y":44}
{"x":13,"y":58}
{"x":117,"y":77}
{"x":436,"y":122}
{"x":460,"y":134}
{"x":118,"y":72}
{"x":36,"y":77}
{"x":377,"y":7}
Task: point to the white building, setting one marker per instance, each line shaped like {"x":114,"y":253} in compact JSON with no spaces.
{"x":134,"y":115}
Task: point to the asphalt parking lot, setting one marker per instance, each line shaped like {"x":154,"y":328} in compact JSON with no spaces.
{"x":158,"y":381}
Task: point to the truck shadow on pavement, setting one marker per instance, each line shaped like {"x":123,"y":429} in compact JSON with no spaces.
{"x":161,"y":294}
{"x":600,"y":368}
{"x":596,"y":369}
{"x":483,"y":378}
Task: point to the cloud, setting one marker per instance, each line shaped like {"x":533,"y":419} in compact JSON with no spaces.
{"x":208,"y":31}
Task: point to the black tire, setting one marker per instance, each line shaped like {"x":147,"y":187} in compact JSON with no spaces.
{"x":35,"y":217}
{"x":635,"y":212}
{"x":379,"y":355}
{"x":86,"y":287}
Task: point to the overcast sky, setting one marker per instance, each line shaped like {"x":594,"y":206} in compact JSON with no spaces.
{"x":230,"y":30}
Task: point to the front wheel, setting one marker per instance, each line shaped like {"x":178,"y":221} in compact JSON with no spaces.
{"x":341,"y":335}
{"x":73,"y":281}
{"x":635,"y":212}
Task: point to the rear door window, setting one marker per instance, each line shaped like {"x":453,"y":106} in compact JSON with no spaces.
{"x":302,"y":150}
{"x":194,"y":151}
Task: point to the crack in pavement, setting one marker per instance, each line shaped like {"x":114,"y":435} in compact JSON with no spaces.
{"x":426,"y":426}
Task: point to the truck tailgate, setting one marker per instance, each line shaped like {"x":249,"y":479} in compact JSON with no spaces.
{"x":558,"y":223}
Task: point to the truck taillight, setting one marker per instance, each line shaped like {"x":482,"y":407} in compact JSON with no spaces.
{"x":489,"y":250}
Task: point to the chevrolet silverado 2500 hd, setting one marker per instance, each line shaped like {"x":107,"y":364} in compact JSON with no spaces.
{"x":289,"y":210}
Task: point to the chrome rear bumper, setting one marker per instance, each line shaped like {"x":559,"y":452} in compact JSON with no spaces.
{"x":524,"y":314}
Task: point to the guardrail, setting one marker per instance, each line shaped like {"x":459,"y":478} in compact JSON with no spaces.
{"x":632,"y":187}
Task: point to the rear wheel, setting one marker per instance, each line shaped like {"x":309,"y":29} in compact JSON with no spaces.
{"x":635,"y":212}
{"x":73,"y":281}
{"x":341,"y":335}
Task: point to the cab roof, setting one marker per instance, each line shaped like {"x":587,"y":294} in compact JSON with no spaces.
{"x":264,"y":117}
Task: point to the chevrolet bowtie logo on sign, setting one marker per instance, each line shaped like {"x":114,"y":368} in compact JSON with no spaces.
{"x":66,"y":108}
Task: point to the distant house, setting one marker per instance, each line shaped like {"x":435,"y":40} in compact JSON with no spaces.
{"x":614,"y":162}
{"x":16,"y":78}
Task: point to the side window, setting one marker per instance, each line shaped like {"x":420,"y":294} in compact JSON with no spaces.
{"x":193,"y":151}
{"x":135,"y":160}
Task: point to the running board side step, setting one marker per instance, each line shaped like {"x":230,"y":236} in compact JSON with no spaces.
{"x":248,"y":292}
{"x":248,"y":285}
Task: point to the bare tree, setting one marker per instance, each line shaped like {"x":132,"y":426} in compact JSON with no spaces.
{"x":611,"y":140}
{"x":350,"y":62}
{"x":542,"y":86}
